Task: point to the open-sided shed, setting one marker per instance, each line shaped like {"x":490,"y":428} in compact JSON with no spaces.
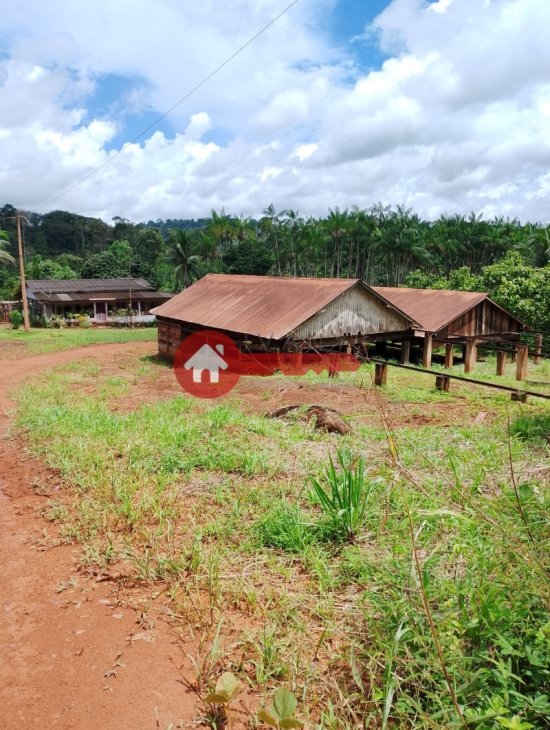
{"x":453,"y":317}
{"x":264,"y":312}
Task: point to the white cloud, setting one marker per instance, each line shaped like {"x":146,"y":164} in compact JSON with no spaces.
{"x":456,"y":119}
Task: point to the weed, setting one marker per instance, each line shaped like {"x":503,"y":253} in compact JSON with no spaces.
{"x":281,"y":712}
{"x":285,"y":527}
{"x":227,"y":688}
{"x":532,"y":428}
{"x":344,"y":493}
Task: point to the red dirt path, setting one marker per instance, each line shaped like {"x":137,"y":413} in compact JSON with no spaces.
{"x":72,"y":656}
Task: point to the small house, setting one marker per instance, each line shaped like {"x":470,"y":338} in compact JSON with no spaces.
{"x":104,"y":301}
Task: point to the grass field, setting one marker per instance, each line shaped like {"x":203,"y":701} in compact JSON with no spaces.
{"x":421,"y":600}
{"x":18,"y":343}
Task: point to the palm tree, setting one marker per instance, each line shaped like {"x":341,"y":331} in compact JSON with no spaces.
{"x":5,"y":257}
{"x":181,"y":257}
{"x":221,"y":230}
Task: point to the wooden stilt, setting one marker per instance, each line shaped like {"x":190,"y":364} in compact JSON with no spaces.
{"x":470,"y":358}
{"x":442,"y":382}
{"x":449,"y":355}
{"x":501,"y":362}
{"x":522,"y":360}
{"x":538,"y":349}
{"x":427,"y":351}
{"x":380,"y":373}
{"x":405,"y":352}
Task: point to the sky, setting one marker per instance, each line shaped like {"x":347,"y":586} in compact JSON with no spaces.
{"x":442,"y":106}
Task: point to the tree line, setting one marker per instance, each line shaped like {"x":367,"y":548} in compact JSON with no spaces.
{"x":380,"y":245}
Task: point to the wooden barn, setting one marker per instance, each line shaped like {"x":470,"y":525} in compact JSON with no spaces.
{"x":452,"y":318}
{"x":274,"y":313}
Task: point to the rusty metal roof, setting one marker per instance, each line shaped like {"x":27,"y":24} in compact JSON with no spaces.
{"x":433,"y":309}
{"x":71,"y":286}
{"x":121,"y":294}
{"x":262,"y":306}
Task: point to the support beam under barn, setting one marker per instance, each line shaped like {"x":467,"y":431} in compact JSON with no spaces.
{"x":449,"y":355}
{"x":405,"y":352}
{"x":538,"y":349}
{"x":501,"y":362}
{"x":427,"y":351}
{"x":470,"y":356}
{"x":522,"y":360}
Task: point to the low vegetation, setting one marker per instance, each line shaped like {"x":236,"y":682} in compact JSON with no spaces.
{"x":393,"y":577}
{"x":18,"y":343}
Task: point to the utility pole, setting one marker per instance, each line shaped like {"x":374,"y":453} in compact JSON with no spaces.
{"x":22,"y":277}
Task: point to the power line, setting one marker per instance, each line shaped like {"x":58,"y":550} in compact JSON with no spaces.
{"x":174,"y":106}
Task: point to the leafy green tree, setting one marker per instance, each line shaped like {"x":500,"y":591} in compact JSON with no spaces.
{"x":249,"y":257}
{"x":39,"y":268}
{"x":115,"y":262}
{"x":521,"y":289}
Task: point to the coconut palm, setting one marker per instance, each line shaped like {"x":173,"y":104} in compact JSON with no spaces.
{"x":180,"y":255}
{"x":5,"y":257}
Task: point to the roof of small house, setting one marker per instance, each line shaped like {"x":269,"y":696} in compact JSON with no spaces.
{"x":85,"y":290}
{"x":433,"y":309}
{"x":270,"y":307}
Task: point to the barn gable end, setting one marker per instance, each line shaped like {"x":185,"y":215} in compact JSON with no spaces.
{"x":355,"y":312}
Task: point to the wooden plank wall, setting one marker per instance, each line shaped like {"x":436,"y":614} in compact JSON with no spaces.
{"x":169,"y":338}
{"x":485,"y":319}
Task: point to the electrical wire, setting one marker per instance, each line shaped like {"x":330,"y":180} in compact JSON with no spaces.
{"x":174,"y":106}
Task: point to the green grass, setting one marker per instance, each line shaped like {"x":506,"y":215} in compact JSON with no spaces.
{"x":439,"y":595}
{"x":41,"y":340}
{"x":532,"y":428}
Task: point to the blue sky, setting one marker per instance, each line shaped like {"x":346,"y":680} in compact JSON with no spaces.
{"x":344,"y":26}
{"x":339,"y":103}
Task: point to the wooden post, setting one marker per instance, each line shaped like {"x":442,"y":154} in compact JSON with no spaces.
{"x":470,"y":357}
{"x":427,"y":351}
{"x":380,"y":373}
{"x":521,"y":362}
{"x":442,"y":382}
{"x":449,"y":355}
{"x":405,"y":352}
{"x":538,"y":349}
{"x":501,"y":362}
{"x":26,"y":322}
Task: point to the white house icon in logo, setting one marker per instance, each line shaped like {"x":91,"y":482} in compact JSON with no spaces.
{"x":207,"y":358}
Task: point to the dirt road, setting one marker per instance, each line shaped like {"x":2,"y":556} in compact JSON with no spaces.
{"x":72,"y":656}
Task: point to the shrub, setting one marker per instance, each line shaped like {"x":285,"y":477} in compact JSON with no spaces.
{"x":16,"y":319}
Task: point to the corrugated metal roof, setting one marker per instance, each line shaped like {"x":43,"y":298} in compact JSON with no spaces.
{"x":71,"y":286}
{"x":433,"y":309}
{"x":91,"y":296}
{"x":263,"y":306}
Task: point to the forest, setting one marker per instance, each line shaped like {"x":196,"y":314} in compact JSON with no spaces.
{"x":381,"y":245}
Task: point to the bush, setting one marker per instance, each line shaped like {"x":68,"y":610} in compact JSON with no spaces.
{"x":16,"y":319}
